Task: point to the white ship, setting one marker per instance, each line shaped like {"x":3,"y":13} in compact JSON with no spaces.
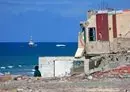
{"x":60,"y":45}
{"x":31,"y":43}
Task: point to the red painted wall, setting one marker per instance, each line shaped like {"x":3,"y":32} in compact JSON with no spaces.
{"x":102,"y":27}
{"x":114,"y":26}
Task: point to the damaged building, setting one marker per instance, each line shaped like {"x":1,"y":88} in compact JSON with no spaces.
{"x":104,"y":35}
{"x":105,"y":31}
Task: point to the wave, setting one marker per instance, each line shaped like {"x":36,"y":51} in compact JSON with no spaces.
{"x":2,"y":67}
{"x":19,"y":65}
{"x":10,"y":66}
{"x":33,"y":70}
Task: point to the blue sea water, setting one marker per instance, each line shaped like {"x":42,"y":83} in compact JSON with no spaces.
{"x":20,"y":58}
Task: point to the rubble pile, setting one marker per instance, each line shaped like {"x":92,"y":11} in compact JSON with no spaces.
{"x":119,"y":72}
{"x":112,"y":65}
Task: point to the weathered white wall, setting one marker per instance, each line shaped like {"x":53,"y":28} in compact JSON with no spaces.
{"x":86,"y":66}
{"x":98,"y":47}
{"x":123,"y":43}
{"x":61,"y":67}
{"x":110,"y":25}
{"x":92,"y":21}
{"x":46,"y":67}
{"x":123,"y":23}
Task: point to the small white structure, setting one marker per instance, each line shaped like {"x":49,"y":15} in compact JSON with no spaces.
{"x":56,"y":66}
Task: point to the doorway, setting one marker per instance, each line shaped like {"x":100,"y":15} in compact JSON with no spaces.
{"x":102,"y":27}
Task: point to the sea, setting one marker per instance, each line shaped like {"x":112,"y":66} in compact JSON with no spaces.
{"x":18,"y":58}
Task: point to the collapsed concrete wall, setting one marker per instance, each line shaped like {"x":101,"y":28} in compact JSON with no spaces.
{"x":109,"y":61}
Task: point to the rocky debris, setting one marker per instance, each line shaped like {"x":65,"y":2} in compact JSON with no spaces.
{"x":90,"y":77}
{"x":19,"y":77}
{"x":75,"y":83}
{"x":76,"y":77}
{"x":115,"y":60}
{"x":4,"y":78}
{"x":107,"y":64}
{"x":8,"y":77}
{"x":120,"y":72}
{"x":20,"y":90}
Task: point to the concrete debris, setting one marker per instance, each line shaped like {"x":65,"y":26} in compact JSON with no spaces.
{"x":20,"y":90}
{"x":90,"y":77}
{"x":120,"y":72}
{"x":111,"y":65}
{"x":19,"y":77}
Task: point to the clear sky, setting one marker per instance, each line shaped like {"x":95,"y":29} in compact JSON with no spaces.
{"x":47,"y":20}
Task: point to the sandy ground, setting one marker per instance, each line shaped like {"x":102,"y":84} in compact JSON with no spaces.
{"x":73,"y":84}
